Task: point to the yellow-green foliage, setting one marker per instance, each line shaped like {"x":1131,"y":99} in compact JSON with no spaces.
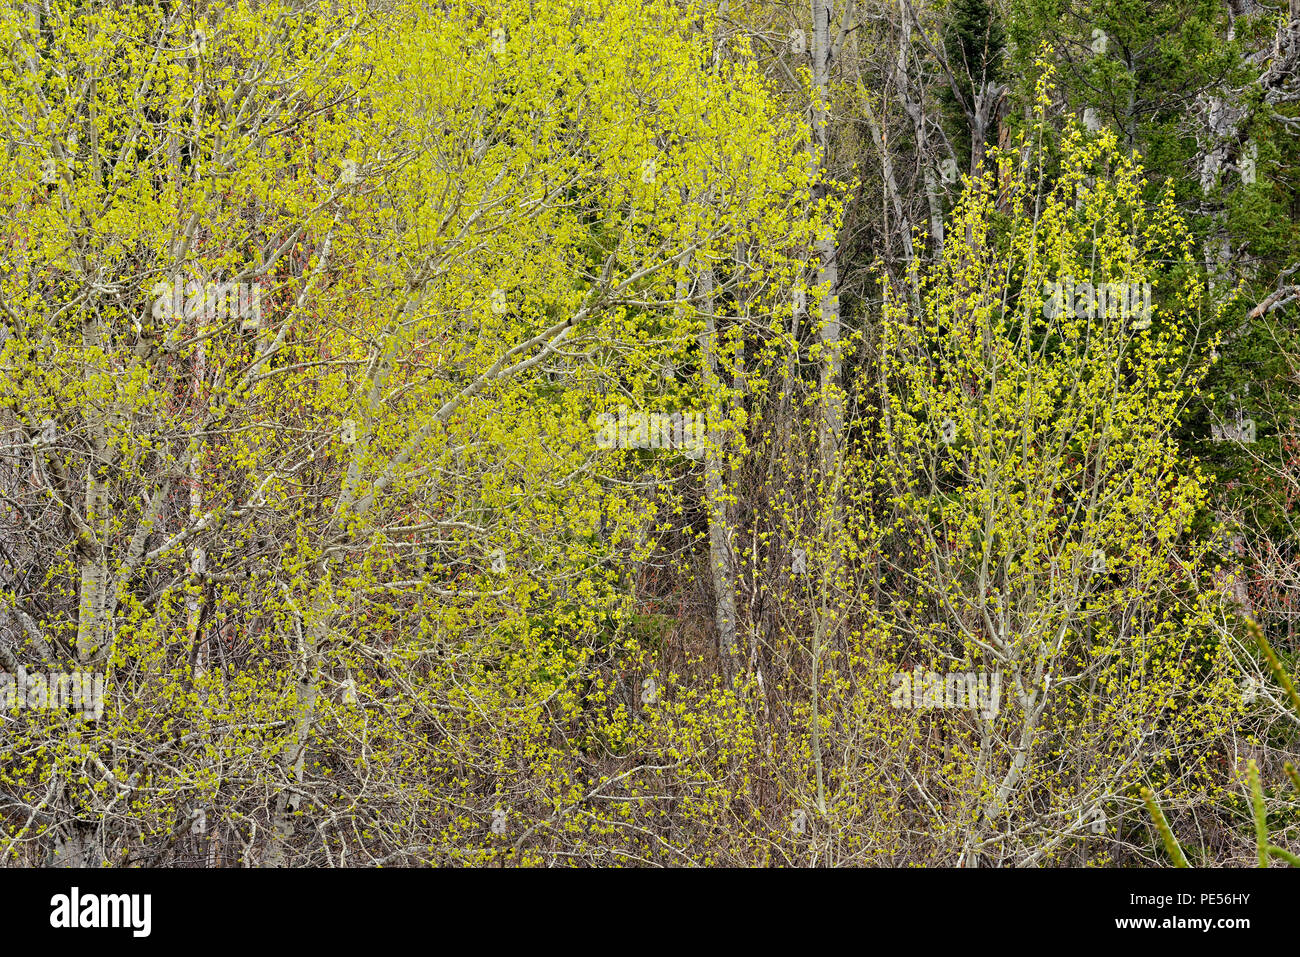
{"x":363,"y":585}
{"x":468,"y":231}
{"x":1040,"y":507}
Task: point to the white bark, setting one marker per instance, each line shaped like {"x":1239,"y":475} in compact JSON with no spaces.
{"x":93,"y":627}
{"x":721,"y":555}
{"x":91,"y":616}
{"x":826,"y":244}
{"x":915,"y":110}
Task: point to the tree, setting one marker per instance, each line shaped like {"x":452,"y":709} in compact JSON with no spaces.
{"x":1042,"y":507}
{"x":363,"y":512}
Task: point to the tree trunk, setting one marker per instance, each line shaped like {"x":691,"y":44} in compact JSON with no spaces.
{"x":827,"y":251}
{"x":721,"y":555}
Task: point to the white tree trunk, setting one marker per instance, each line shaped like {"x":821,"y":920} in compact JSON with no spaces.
{"x":721,"y":554}
{"x":916,"y":112}
{"x":91,"y":615}
{"x":827,"y":247}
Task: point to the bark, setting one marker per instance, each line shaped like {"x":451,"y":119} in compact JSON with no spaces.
{"x":915,"y":110}
{"x":826,"y":245}
{"x":93,"y":626}
{"x":721,"y":555}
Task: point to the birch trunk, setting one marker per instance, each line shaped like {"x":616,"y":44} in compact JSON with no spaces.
{"x":721,"y":556}
{"x":916,"y":112}
{"x":826,"y":247}
{"x":92,"y":614}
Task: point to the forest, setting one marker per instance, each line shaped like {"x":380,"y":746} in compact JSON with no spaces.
{"x":649,"y":433}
